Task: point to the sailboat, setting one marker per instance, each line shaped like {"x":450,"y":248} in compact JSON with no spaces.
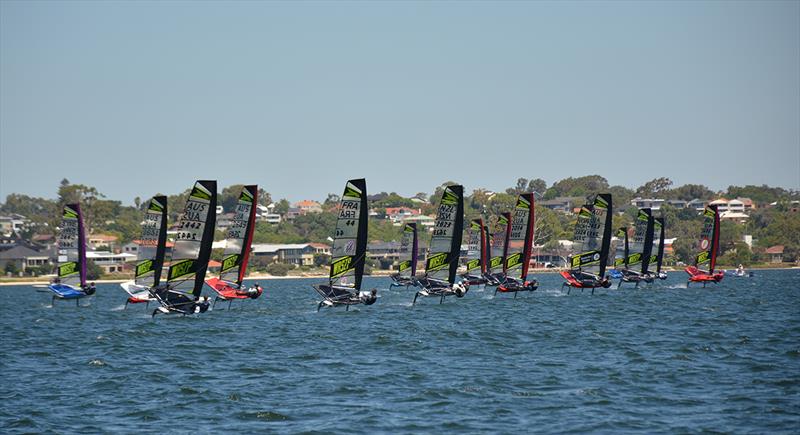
{"x":70,"y":282}
{"x":708,"y":248}
{"x":519,"y":248}
{"x":592,"y":240}
{"x":238,"y":244}
{"x":476,"y":253}
{"x":442,"y":262}
{"x":190,"y":254}
{"x":349,"y":251}
{"x":407,"y":269}
{"x":657,"y":257}
{"x":619,"y":244}
{"x":499,"y":250}
{"x":150,"y":256}
{"x":638,"y":257}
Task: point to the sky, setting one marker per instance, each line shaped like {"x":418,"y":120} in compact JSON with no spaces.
{"x":136,"y":98}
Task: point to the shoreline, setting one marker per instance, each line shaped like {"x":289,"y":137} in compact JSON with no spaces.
{"x":32,"y":282}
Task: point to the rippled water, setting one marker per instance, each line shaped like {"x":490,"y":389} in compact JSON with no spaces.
{"x":658,"y":359}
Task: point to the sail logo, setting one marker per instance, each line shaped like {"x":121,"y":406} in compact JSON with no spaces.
{"x":709,"y":213}
{"x":341,"y":266}
{"x":181,"y":269}
{"x":702,"y":257}
{"x":502,"y":220}
{"x":475,"y":225}
{"x":437,"y":261}
{"x":619,"y":262}
{"x":408,"y":228}
{"x":653,"y":258}
{"x":200,"y":192}
{"x":246,"y":196}
{"x":643,"y":216}
{"x":586,"y":258}
{"x":404,"y":265}
{"x":229,"y":262}
{"x":523,"y":203}
{"x":513,"y":260}
{"x":585,"y":213}
{"x":621,"y":232}
{"x":351,"y":191}
{"x":495,"y":262}
{"x":473,"y":264}
{"x":704,"y":244}
{"x":635,"y":258}
{"x":68,"y":269}
{"x":69,"y":213}
{"x":449,"y":197}
{"x":144,"y":267}
{"x":155,"y":206}
{"x":600,"y":202}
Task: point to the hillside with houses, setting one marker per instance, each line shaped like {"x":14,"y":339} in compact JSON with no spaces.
{"x":760,"y":224}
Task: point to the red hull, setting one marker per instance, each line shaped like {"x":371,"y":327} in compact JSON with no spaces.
{"x":226,"y":291}
{"x":697,"y":275}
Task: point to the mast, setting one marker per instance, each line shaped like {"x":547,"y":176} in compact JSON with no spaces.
{"x":659,"y":226}
{"x":602,"y":205}
{"x":484,"y":247}
{"x":81,"y":245}
{"x":442,"y":262}
{"x":648,"y":241}
{"x":350,"y":239}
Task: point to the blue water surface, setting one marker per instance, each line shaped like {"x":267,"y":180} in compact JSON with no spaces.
{"x":658,"y":359}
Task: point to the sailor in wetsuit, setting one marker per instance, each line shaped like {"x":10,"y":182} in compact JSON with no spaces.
{"x":589,"y":280}
{"x":89,"y":289}
{"x":369,"y":298}
{"x":460,"y":289}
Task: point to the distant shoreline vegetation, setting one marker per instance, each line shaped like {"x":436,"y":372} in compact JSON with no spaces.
{"x":770,"y":220}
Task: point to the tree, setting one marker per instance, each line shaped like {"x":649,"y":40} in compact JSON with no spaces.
{"x":279,"y":269}
{"x":11,"y":268}
{"x":93,"y":271}
{"x":654,"y":186}
{"x":229,"y":197}
{"x":282,"y":207}
{"x":538,"y":185}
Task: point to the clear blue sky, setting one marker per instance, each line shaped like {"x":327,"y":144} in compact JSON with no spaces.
{"x":142,"y":97}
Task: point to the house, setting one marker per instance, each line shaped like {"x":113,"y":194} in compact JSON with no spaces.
{"x":421,"y":220}
{"x":267,"y":214}
{"x":697,"y":204}
{"x":563,"y":204}
{"x":133,"y":246}
{"x":734,"y":216}
{"x":24,"y":258}
{"x":677,"y":203}
{"x":109,"y":261}
{"x":651,"y":203}
{"x":775,"y":254}
{"x":97,"y":241}
{"x":292,"y":213}
{"x":12,"y":223}
{"x":321,"y":248}
{"x":399,"y":214}
{"x":298,"y":254}
{"x":308,"y":206}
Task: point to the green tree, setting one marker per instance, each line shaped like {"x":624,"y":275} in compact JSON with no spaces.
{"x":279,"y":269}
{"x":93,"y":271}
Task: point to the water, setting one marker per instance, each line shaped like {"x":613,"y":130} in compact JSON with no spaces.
{"x":662,"y":359}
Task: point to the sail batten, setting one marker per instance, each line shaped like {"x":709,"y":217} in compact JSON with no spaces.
{"x":407,"y":267}
{"x":708,"y":246}
{"x":499,"y":243}
{"x":475,"y":246}
{"x":520,"y":237}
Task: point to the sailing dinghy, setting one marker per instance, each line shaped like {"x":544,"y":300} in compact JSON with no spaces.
{"x":237,"y":251}
{"x":349,"y":251}
{"x":708,"y":249}
{"x":519,"y":248}
{"x":592,"y":241}
{"x":619,"y":244}
{"x":442,"y":262}
{"x":499,"y":250}
{"x":476,"y":254}
{"x":657,"y":257}
{"x":190,"y":254}
{"x":152,"y":247}
{"x":407,"y":269}
{"x":70,"y":282}
{"x":638,"y":258}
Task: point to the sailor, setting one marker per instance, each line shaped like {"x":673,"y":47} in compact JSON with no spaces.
{"x":90,"y":289}
{"x":254,"y":291}
{"x":370,"y":298}
{"x":200,"y":304}
{"x":460,"y":289}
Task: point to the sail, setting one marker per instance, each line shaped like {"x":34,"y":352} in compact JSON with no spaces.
{"x":709,"y":239}
{"x":408,"y":251}
{"x":520,"y":239}
{"x":445,"y":248}
{"x":648,"y":242}
{"x":72,"y":247}
{"x":621,"y":248}
{"x":475,"y":257}
{"x":485,"y":243}
{"x":499,"y":246}
{"x":642,"y":237}
{"x":192,"y":248}
{"x":350,"y":239}
{"x":239,"y":236}
{"x":657,"y":253}
{"x":593,"y":236}
{"x":152,"y":245}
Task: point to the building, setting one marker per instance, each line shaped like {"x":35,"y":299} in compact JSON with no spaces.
{"x":775,"y":254}
{"x":421,"y":220}
{"x":563,"y":204}
{"x":109,"y":261}
{"x":651,"y":203}
{"x":308,"y":206}
{"x":23,"y":258}
{"x":321,"y":248}
{"x":132,"y":247}
{"x":400,"y":214}
{"x":12,"y":223}
{"x":298,"y":254}
{"x":267,"y":214}
{"x":697,"y":204}
{"x":98,"y":241}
